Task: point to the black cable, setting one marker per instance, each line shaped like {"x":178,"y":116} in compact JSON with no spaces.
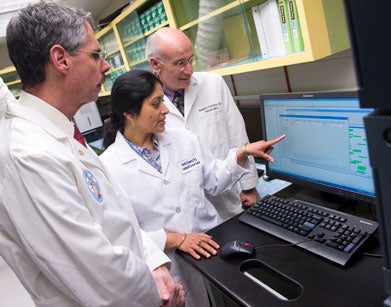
{"x":373,"y":255}
{"x":308,"y":240}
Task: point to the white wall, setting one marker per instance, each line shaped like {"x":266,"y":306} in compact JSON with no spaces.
{"x":333,"y":73}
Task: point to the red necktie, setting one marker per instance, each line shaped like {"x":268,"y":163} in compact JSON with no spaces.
{"x":77,"y":135}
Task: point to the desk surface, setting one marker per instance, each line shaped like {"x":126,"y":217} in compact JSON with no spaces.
{"x":359,"y":283}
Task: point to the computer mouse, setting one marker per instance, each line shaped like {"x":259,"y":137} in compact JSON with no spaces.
{"x":237,"y":249}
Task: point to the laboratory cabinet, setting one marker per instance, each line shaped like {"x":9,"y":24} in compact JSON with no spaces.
{"x":229,"y":36}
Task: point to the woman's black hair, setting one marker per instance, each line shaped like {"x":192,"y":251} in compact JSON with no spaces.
{"x":127,"y":96}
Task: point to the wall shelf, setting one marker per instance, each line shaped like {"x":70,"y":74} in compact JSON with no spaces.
{"x":223,"y":32}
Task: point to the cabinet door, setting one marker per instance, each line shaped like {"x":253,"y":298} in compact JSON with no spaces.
{"x":109,"y":42}
{"x":239,"y":36}
{"x":187,"y":11}
{"x":219,"y":31}
{"x":135,"y":27}
{"x":12,"y":80}
{"x":15,"y":88}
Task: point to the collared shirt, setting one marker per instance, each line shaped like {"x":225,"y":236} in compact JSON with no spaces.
{"x":146,"y":154}
{"x":170,"y":93}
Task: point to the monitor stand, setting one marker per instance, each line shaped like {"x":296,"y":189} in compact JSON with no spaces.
{"x":331,"y":201}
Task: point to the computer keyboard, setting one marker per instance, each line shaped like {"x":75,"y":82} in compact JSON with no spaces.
{"x":328,"y":233}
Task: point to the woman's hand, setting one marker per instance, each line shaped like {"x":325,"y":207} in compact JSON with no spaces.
{"x":261,"y":149}
{"x":199,"y":244}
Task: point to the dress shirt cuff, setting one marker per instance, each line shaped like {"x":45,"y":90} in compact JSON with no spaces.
{"x":154,"y":256}
{"x":235,"y":169}
{"x":159,"y":237}
{"x":250,"y":180}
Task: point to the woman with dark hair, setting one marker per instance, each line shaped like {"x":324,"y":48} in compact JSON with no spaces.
{"x":167,"y":172}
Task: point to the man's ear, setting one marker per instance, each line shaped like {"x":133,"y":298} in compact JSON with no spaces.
{"x":59,"y":58}
{"x":154,"y":63}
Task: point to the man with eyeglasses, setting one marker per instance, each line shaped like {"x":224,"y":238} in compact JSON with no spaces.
{"x":202,"y":103}
{"x":68,"y":230}
{"x":97,"y":55}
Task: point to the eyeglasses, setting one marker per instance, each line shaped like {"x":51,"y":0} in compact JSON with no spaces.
{"x":96,"y":55}
{"x":181,"y":64}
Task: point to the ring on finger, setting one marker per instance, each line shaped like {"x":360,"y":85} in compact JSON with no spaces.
{"x":199,"y":243}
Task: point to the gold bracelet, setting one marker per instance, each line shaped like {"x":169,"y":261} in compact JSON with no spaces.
{"x":183,"y":240}
{"x":244,"y":150}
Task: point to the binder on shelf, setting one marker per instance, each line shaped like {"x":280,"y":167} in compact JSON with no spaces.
{"x":260,"y":32}
{"x":297,"y":37}
{"x":285,"y":25}
{"x":268,"y":26}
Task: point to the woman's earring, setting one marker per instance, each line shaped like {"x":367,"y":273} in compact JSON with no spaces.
{"x":133,"y":124}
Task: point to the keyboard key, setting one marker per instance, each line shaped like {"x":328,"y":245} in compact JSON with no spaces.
{"x":349,"y":248}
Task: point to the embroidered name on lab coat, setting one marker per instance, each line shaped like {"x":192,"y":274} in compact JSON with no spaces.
{"x":189,"y":164}
{"x":210,"y":108}
{"x":93,"y":185}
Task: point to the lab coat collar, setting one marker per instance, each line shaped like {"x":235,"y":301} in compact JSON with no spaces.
{"x":172,"y":108}
{"x":34,"y":109}
{"x":126,"y":154}
{"x":191,"y":93}
{"x":194,"y":80}
{"x":164,"y":141}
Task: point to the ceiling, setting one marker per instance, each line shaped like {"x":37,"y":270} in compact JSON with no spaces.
{"x":8,"y":8}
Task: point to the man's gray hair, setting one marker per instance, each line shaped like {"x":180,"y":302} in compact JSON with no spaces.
{"x":37,"y":28}
{"x":152,"y":46}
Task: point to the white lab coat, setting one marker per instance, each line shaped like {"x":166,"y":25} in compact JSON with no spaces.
{"x":174,"y":200}
{"x":5,"y":95}
{"x":211,"y":113}
{"x":66,"y":228}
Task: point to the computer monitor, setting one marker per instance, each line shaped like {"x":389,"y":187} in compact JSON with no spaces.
{"x":325,"y":146}
{"x":88,"y":118}
{"x":90,"y":124}
{"x":252,"y":119}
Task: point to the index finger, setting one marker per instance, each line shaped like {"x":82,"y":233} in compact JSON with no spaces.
{"x":277,"y":139}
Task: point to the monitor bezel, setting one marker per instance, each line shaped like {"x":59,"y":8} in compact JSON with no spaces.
{"x":322,"y":187}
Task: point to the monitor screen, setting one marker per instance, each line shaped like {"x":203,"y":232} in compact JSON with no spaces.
{"x":325,"y":146}
{"x":88,"y":118}
{"x":252,"y":118}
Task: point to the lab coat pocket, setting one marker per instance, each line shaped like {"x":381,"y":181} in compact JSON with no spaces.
{"x":216,"y":124}
{"x":206,"y":216}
